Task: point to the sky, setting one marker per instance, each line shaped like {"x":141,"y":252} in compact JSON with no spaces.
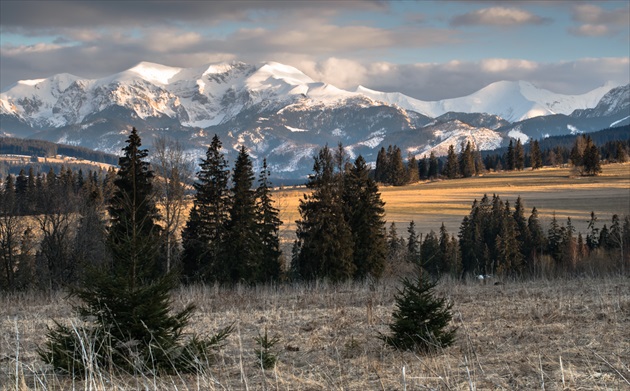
{"x":429,"y":50}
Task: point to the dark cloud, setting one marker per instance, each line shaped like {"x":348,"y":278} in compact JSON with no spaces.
{"x":44,"y":15}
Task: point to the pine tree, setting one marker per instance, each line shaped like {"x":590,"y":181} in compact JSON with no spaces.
{"x":421,"y":320}
{"x":268,"y":227}
{"x":324,"y":239}
{"x":397,"y":172}
{"x":125,"y":306}
{"x":510,"y":157}
{"x":592,"y":237}
{"x":413,"y":245}
{"x":451,"y":169}
{"x":519,"y":156}
{"x":434,"y":170}
{"x":364,"y":211}
{"x":431,"y":254}
{"x":412,"y":169}
{"x":242,"y":249}
{"x":380,"y":174}
{"x":204,"y":233}
{"x":466,"y":161}
{"x":535,"y":155}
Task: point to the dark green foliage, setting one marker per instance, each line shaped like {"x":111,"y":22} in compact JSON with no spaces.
{"x":205,"y":230}
{"x":242,"y":249}
{"x":324,"y":239}
{"x":421,"y":320}
{"x":265,"y":355}
{"x":268,"y":228}
{"x":125,"y":305}
{"x":413,"y":244}
{"x":434,"y":169}
{"x":467,"y":161}
{"x":451,"y":169}
{"x":519,"y":156}
{"x":535,"y":155}
{"x":364,"y":212}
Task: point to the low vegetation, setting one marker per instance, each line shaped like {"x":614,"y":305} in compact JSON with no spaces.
{"x":542,"y":334}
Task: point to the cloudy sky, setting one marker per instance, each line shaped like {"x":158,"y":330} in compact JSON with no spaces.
{"x":426,"y":49}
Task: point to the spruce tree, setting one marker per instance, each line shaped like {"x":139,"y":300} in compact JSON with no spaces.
{"x":519,"y":156}
{"x":242,"y":250}
{"x":451,"y":170}
{"x":204,"y":233}
{"x":125,"y":306}
{"x":421,"y":319}
{"x":364,"y":212}
{"x":466,"y":161}
{"x":535,"y":155}
{"x":324,"y":239}
{"x":434,"y":169}
{"x":268,"y":228}
{"x":413,"y":244}
{"x":509,"y":157}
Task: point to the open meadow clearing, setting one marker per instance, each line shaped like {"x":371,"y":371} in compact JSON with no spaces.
{"x":549,"y":190}
{"x":534,"y":334}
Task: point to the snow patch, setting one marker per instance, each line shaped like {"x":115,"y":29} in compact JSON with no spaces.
{"x":295,"y":129}
{"x":517,"y":134}
{"x":338,"y":133}
{"x":574,"y":130}
{"x":620,"y":121}
{"x":372,"y":142}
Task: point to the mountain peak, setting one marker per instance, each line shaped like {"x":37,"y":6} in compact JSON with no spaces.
{"x":154,"y":73}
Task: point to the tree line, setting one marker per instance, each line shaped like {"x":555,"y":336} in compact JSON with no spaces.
{"x":583,"y":154}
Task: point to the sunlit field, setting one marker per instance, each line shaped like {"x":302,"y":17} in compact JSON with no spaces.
{"x":549,"y":190}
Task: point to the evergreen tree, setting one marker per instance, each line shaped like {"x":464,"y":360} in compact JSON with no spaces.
{"x":204,"y":233}
{"x":268,"y":227}
{"x":380,"y":174}
{"x":324,"y":238}
{"x":510,"y":158}
{"x":412,"y":169}
{"x":536,"y":234}
{"x":413,"y":245}
{"x":466,"y":161}
{"x":555,"y":235}
{"x":519,"y":156}
{"x":242,"y":248}
{"x":397,"y":174}
{"x":420,"y":320}
{"x":423,"y":168}
{"x":431,"y":254}
{"x":451,"y":169}
{"x":125,"y":307}
{"x":433,"y":166}
{"x":592,"y":237}
{"x":535,"y":155}
{"x":364,"y":211}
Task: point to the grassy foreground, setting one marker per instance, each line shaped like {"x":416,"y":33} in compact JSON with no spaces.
{"x":546,"y":334}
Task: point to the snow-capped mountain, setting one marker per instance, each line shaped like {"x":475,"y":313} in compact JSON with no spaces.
{"x":280,"y":113}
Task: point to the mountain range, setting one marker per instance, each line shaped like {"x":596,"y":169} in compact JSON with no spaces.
{"x":281,"y":114}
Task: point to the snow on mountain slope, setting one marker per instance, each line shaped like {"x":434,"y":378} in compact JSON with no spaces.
{"x":512,"y":101}
{"x":457,"y":133}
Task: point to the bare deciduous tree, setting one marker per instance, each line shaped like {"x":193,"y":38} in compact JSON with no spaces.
{"x":173,"y":168}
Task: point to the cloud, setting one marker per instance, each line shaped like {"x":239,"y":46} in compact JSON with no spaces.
{"x":73,"y":14}
{"x":497,"y":16}
{"x":435,"y":81}
{"x":598,"y":22}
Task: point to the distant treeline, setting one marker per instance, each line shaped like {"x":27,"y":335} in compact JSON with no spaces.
{"x":40,"y":148}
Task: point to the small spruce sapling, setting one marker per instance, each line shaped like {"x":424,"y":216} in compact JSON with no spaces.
{"x":265,"y":355}
{"x":420,"y":320}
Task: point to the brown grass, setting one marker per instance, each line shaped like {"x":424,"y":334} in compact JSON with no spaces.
{"x":549,"y":190}
{"x":561,"y":334}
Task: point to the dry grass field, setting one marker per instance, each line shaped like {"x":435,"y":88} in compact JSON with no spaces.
{"x":529,"y":335}
{"x":520,"y":335}
{"x":549,"y":190}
